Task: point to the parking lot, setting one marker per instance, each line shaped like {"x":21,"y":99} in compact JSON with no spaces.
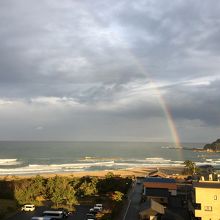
{"x":79,"y":214}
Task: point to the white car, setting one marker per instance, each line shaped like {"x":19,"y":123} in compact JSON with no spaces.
{"x":98,"y":207}
{"x":28,"y":207}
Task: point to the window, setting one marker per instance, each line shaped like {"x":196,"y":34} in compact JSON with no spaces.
{"x":215,"y":197}
{"x":197,"y":206}
{"x":208,"y":208}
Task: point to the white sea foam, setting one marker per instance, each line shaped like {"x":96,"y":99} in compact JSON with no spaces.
{"x":205,"y":163}
{"x":90,"y":165}
{"x":38,"y":169}
{"x":54,"y":168}
{"x":157,"y":160}
{"x":99,"y":159}
{"x":9,"y":162}
{"x":129,"y":160}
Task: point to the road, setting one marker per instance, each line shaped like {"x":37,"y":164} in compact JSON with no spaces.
{"x":134,"y":203}
{"x":80,"y":213}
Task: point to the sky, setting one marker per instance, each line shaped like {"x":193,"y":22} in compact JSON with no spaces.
{"x":110,"y":70}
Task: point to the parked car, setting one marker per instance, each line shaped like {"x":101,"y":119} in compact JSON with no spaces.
{"x":66,"y":213}
{"x":90,"y":216}
{"x":55,"y":214}
{"x":98,"y":205}
{"x":92,"y":211}
{"x":41,"y":218}
{"x":95,"y":209}
{"x":28,"y":207}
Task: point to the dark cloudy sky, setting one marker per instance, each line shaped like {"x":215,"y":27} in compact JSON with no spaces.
{"x":91,"y":70}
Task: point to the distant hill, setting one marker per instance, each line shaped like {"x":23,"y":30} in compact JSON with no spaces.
{"x":215,"y":146}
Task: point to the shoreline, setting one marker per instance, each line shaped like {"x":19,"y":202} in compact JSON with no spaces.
{"x":135,"y":172}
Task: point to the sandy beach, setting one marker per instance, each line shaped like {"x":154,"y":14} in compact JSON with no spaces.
{"x":135,"y":172}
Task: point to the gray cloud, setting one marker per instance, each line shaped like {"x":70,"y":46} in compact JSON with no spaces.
{"x":104,"y":55}
{"x":199,"y":103}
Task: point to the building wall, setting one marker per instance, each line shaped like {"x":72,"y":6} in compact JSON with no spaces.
{"x":170,"y":186}
{"x":209,"y":198}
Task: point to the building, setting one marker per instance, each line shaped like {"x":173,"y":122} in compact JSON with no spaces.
{"x":207,"y":200}
{"x":165,"y":203}
{"x":157,"y":173}
{"x":151,"y":210}
{"x":159,"y":189}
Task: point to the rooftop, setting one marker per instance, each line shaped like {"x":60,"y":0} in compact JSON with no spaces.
{"x":159,"y":180}
{"x":157,"y":173}
{"x":207,"y":184}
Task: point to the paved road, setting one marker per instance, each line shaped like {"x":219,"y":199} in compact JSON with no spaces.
{"x":80,"y":213}
{"x":134,"y":203}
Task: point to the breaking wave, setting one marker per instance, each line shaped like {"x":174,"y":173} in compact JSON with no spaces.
{"x":8,"y":166}
{"x":9,"y":162}
{"x":87,"y":164}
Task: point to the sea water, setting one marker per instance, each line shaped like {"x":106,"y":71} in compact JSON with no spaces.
{"x":20,"y":158}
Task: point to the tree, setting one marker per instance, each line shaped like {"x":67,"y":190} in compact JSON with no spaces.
{"x":56,"y":189}
{"x":24,"y":192}
{"x":56,"y":184}
{"x":117,"y":196}
{"x":190,"y":167}
{"x":38,"y":185}
{"x":88,"y":187}
{"x":57,"y":197}
{"x":70,"y":197}
{"x":109,"y":175}
{"x":60,"y":191}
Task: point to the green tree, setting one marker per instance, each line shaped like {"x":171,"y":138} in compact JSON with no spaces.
{"x":117,"y":196}
{"x":70,"y":197}
{"x":57,"y":197}
{"x":88,"y":187}
{"x":190,"y":167}
{"x":38,"y":185}
{"x":109,"y":175}
{"x":23,"y":192}
{"x":56,"y":188}
{"x":56,"y":183}
{"x":60,"y":191}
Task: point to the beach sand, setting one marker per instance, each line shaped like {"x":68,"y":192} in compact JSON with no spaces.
{"x":131,"y":172}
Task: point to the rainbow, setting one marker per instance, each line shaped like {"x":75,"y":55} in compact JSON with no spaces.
{"x":161,"y":101}
{"x":164,"y":106}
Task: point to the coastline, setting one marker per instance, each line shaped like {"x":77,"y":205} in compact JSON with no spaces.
{"x":130,"y":172}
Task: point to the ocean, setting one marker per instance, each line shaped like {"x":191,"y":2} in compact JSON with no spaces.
{"x":20,"y":158}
